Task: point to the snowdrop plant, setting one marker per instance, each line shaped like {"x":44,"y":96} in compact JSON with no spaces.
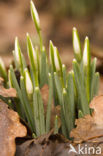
{"x":85,"y":75}
{"x":72,"y":90}
{"x":30,"y":105}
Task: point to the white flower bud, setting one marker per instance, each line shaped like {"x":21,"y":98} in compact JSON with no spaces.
{"x":17,"y":53}
{"x":2,"y":64}
{"x":86,"y":52}
{"x":35,"y":16}
{"x":56,"y":59}
{"x":28,"y":82}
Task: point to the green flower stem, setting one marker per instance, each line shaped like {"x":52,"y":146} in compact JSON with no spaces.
{"x":41,"y":41}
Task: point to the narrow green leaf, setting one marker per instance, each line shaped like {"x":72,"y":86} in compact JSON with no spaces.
{"x":27,"y":105}
{"x":43,"y":72}
{"x":16,"y":86}
{"x":58,"y":87}
{"x":71,"y":95}
{"x":64,"y":74}
{"x":93,"y":69}
{"x":50,"y":100}
{"x":36,"y":111}
{"x":84,"y":106}
{"x":32,"y":58}
{"x":96,"y":84}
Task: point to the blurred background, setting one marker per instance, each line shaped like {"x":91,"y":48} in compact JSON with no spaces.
{"x":57,"y":17}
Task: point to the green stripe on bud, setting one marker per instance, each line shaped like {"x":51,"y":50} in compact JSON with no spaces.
{"x":57,"y":60}
{"x":28,"y":83}
{"x":18,"y":56}
{"x":35,"y":16}
{"x":76,"y":45}
{"x":51,"y":55}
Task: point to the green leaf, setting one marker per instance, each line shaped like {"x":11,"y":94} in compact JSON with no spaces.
{"x":50,"y":100}
{"x":27,"y":105}
{"x":43,"y":69}
{"x":33,"y":59}
{"x":84,"y":106}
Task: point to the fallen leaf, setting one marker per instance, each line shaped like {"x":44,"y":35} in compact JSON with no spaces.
{"x":46,"y":145}
{"x":11,"y":92}
{"x":97,"y":106}
{"x":10,"y":128}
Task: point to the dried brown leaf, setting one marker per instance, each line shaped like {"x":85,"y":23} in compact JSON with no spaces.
{"x":97,"y":106}
{"x":46,"y":145}
{"x":10,"y":128}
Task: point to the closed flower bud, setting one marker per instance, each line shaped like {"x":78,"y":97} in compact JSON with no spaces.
{"x":35,"y":16}
{"x":17,"y":52}
{"x":86,"y":52}
{"x":76,"y":45}
{"x":28,"y":83}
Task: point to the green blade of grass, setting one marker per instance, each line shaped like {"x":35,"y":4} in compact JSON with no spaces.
{"x":50,"y":100}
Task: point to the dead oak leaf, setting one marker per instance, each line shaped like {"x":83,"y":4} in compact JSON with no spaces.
{"x":10,"y":128}
{"x":11,"y":92}
{"x":86,"y":129}
{"x":97,"y":106}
